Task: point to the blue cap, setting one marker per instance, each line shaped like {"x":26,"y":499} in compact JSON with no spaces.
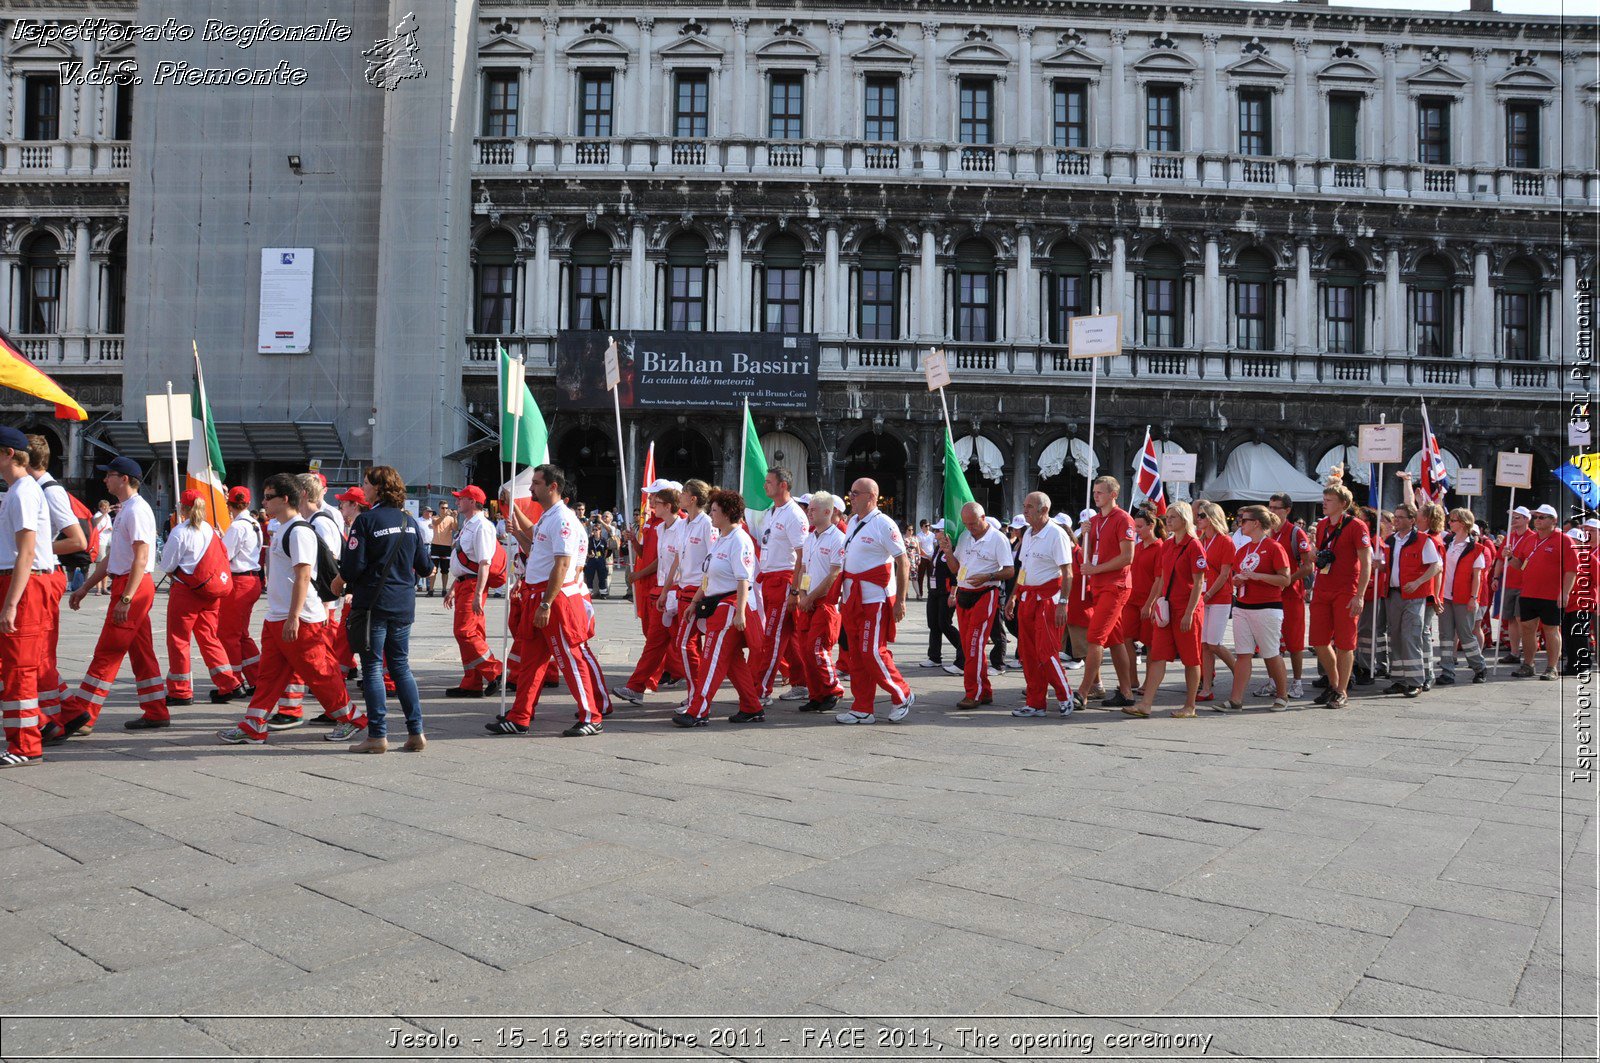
{"x":13,"y":438}
{"x":125,"y":466}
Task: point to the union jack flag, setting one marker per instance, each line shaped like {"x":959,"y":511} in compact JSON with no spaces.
{"x":1434,"y":480}
{"x":1147,"y":476}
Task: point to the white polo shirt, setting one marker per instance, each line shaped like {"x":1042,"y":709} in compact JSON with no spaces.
{"x":694,"y":546}
{"x":25,"y":509}
{"x":732,"y":558}
{"x":783,"y":534}
{"x":558,"y":534}
{"x":185,"y":546}
{"x":282,"y":561}
{"x":135,"y":523}
{"x":476,"y":540}
{"x":981,"y":556}
{"x":823,"y":552}
{"x":1043,"y":554}
{"x":61,"y":515}
{"x":871,"y":542}
{"x":242,"y":540}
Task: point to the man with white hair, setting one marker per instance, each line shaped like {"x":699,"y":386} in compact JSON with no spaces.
{"x":783,"y":534}
{"x":983,"y":563}
{"x":814,"y":598}
{"x":877,"y":575}
{"x":1044,"y":576}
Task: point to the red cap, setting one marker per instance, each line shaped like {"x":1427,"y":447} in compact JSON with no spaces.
{"x":471,"y":491}
{"x":240,"y":495}
{"x":322,"y":478}
{"x":356,"y":495}
{"x":188,"y":498}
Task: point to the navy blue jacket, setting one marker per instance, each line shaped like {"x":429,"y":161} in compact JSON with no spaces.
{"x":387,"y":589}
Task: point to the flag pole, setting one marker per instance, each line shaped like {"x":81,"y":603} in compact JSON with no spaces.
{"x":1381,"y":590}
{"x":172,"y":437}
{"x":212,"y":502}
{"x":512,"y":404}
{"x":1498,"y":624}
{"x":622,"y":453}
{"x":744,"y":441}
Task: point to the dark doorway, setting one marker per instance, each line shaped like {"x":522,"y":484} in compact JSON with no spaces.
{"x":589,"y":458}
{"x":684,"y":454}
{"x":880,"y":457}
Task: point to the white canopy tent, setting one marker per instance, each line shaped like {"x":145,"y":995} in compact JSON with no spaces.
{"x":1055,"y":456}
{"x":1356,"y":471}
{"x":1255,"y":471}
{"x":991,"y":463}
{"x":790,"y":451}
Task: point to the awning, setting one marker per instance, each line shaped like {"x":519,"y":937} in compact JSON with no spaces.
{"x":286,"y":442}
{"x":1054,"y":458}
{"x":1255,"y":472}
{"x":991,"y":463}
{"x":1356,"y":471}
{"x":473,"y":449}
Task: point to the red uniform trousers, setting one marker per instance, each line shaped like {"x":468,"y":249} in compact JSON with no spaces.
{"x":233,"y":628}
{"x":870,"y":627}
{"x":780,"y":640}
{"x":189,"y":614}
{"x":657,"y":642}
{"x":1293,"y":639}
{"x":308,"y":658}
{"x":20,"y":656}
{"x":1105,"y":624}
{"x":292,"y":701}
{"x":686,"y":637}
{"x":478,"y":664}
{"x":725,"y":659}
{"x":976,"y":625}
{"x":561,"y":639}
{"x":339,"y":640}
{"x":1039,"y":643}
{"x":51,"y":689}
{"x":819,"y":633}
{"x":132,"y":639}
{"x":596,"y":675}
{"x":516,"y":602}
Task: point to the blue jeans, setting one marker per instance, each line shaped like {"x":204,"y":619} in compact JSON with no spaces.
{"x":391,"y":644}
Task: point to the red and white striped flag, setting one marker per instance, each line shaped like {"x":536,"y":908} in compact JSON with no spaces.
{"x":1147,"y":484}
{"x":644,"y":484}
{"x":1434,"y":480}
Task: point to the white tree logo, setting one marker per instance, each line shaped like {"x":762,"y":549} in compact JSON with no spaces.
{"x":392,"y":61}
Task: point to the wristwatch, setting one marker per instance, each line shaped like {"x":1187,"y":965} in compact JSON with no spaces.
{"x":126,"y":599}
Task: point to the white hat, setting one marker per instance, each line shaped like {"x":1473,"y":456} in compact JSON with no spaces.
{"x":1086,"y":515}
{"x":1063,"y":520}
{"x":1521,"y":511}
{"x":804,"y":500}
{"x":994,"y":522}
{"x":1548,"y":511}
{"x":1591,"y":523}
{"x":661,"y":485}
{"x":938,"y":525}
{"x":1019,"y":521}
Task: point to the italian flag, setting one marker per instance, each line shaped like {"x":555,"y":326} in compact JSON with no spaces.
{"x":524,"y":436}
{"x":956,"y":492}
{"x":206,"y":471}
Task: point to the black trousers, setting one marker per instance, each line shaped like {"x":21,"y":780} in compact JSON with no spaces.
{"x":941,"y":626}
{"x":1577,"y":640}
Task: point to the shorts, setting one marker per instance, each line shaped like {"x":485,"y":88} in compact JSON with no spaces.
{"x":1105,"y":626}
{"x":1216,"y":623}
{"x":1331,"y":622}
{"x":1171,"y":643}
{"x":1511,"y":602}
{"x":1294,"y":624}
{"x":1258,"y":632}
{"x":1546,"y":611}
{"x":1135,"y":625}
{"x":439,"y":553}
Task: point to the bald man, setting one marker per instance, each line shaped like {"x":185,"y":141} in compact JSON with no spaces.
{"x":877,"y":574}
{"x":981,"y":558}
{"x":1044,"y":578}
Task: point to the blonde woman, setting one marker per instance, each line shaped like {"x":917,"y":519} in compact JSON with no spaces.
{"x":1259,"y":584}
{"x":1217,"y":600}
{"x":1431,"y":522}
{"x":1173,"y":607}
{"x":201,"y":578}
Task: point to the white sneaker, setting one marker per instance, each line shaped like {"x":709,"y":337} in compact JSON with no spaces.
{"x":1073,"y":664}
{"x":627,"y":693}
{"x":929,"y":663}
{"x":795,"y":694}
{"x":902,"y":710}
{"x":1013,"y":662}
{"x":855,"y":717}
{"x":766,"y":702}
{"x":950,"y":669}
{"x":1065,"y":708}
{"x":342,"y":732}
{"x":1265,"y":689}
{"x":1295,"y":690}
{"x":235,"y":736}
{"x":1026,"y":713}
{"x":1280,"y":705}
{"x":993,"y":671}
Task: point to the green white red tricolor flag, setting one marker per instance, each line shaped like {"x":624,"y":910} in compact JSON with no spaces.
{"x":206,"y":473}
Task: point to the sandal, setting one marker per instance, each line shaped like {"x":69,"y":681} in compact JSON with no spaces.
{"x":1181,"y":714}
{"x":1134,"y":710}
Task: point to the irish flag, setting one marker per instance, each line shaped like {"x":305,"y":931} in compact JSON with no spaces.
{"x":524,"y":436}
{"x":206,"y":472}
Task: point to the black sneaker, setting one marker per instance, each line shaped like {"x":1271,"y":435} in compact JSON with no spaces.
{"x":323,"y":720}
{"x":352,"y":673}
{"x":1323,"y":698}
{"x":1411,"y":692}
{"x":1511,"y":658}
{"x":1445,"y":681}
{"x":748,"y":717}
{"x":1321,"y":683}
{"x":462,"y":692}
{"x":511,"y":686}
{"x":1396,"y":688}
{"x":282,"y":722}
{"x":811,"y":705}
{"x":219,"y":697}
{"x":180,"y":702}
{"x":1115,"y":700}
{"x":582,"y":730}
{"x":505,"y":727}
{"x":1480,"y":676}
{"x":683,"y":719}
{"x":1363,"y":679}
{"x":146,"y":723}
{"x":1523,"y":671}
{"x":491,"y":688}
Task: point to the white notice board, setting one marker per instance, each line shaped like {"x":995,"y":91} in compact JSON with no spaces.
{"x":285,"y":321}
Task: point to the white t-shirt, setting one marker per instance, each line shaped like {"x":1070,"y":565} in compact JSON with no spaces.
{"x":102,"y":523}
{"x":242,"y":540}
{"x":135,"y":523}
{"x":732,"y":558}
{"x":329,"y":531}
{"x":981,"y":556}
{"x":1452,"y":558}
{"x":24,"y":508}
{"x":1043,"y":554}
{"x":927,"y":543}
{"x":783,"y":533}
{"x":558,"y":534}
{"x":291,"y":549}
{"x":61,"y":515}
{"x":1239,"y":539}
{"x":424,"y":531}
{"x":823,"y":552}
{"x":476,"y":539}
{"x":694,"y":546}
{"x":185,"y":546}
{"x":876,"y":543}
{"x":1430,"y":555}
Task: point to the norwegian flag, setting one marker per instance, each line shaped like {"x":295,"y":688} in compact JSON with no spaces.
{"x":1434,"y":480}
{"x":1147,"y":476}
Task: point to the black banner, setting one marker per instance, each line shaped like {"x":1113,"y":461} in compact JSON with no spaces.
{"x":682,"y":370}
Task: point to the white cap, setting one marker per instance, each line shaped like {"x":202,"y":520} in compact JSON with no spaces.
{"x":1019,"y":521}
{"x":1086,"y":515}
{"x":994,"y":522}
{"x":1548,"y":510}
{"x":662,"y":485}
{"x":938,"y":525}
{"x":804,"y":500}
{"x":1591,"y":523}
{"x":1521,"y":511}
{"x":1063,"y":520}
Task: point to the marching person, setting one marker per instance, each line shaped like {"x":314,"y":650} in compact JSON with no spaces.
{"x":127,"y":561}
{"x":1517,"y":538}
{"x":1217,"y":598}
{"x":383,"y":559}
{"x":1344,"y":564}
{"x":732,"y":625}
{"x":328,"y":522}
{"x":1432,"y":522}
{"x":1548,"y":563}
{"x":940,"y":609}
{"x":242,"y":540}
{"x":1466,"y":565}
{"x":201,"y":581}
{"x":69,"y":550}
{"x":877,"y":575}
{"x":1413,"y":563}
{"x":352,"y":503}
{"x":927,"y":547}
{"x":652,"y":560}
{"x":783,"y":534}
{"x":1108,"y":542}
{"x":1044,"y":568}
{"x":471,"y":571}
{"x":1151,"y":530}
{"x":1263,"y":575}
{"x":1297,"y":546}
{"x":294,"y":637}
{"x":815,"y":597}
{"x":688,"y":547}
{"x":27,"y":558}
{"x":982,"y":560}
{"x":555,"y":624}
{"x":1174,"y":611}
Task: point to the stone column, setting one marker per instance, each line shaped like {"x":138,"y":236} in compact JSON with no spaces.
{"x":1479,"y":139}
{"x":19,"y":102}
{"x":1026,"y":290}
{"x":1212,"y":314}
{"x":8,"y":285}
{"x":641,"y":277}
{"x":1116,"y":87}
{"x":85,"y":125}
{"x":645,"y":118}
{"x":833,"y":304}
{"x":735,"y":315}
{"x":741,"y":90}
{"x":1022,"y":476}
{"x":548,"y":116}
{"x":835,"y":127}
{"x":1210,"y":128}
{"x":930,"y":446}
{"x":1393,"y":128}
{"x":1117,"y":297}
{"x":1305,"y":326}
{"x":931,"y":129}
{"x":1297,"y":134}
{"x":1480,"y":316}
{"x":543,"y":322}
{"x":1565,"y":335}
{"x":78,"y":316}
{"x":931,"y":305}
{"x":1025,"y":88}
{"x":1394,"y":310}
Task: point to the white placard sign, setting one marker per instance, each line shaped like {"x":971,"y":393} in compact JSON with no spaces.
{"x":1094,"y":336}
{"x":936,"y":369}
{"x":516,"y":377}
{"x":613,"y":367}
{"x":284,"y":326}
{"x":1177,"y":468}
{"x":168,"y":418}
{"x":1513,"y":470}
{"x":1382,"y":444}
{"x":1469,"y":481}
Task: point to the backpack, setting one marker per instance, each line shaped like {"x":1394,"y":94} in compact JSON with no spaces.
{"x":326,"y":569}
{"x":91,"y":534}
{"x":497,"y":565}
{"x":212,"y":577}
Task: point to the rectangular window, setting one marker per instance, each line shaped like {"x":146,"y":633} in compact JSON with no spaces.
{"x":1516,"y":325}
{"x":977,"y":111}
{"x":1070,"y":119}
{"x":591,"y":297}
{"x":500,"y":92}
{"x":116,"y":294}
{"x":497,"y":299}
{"x":1522,"y":135}
{"x":1433,"y":131}
{"x":691,"y":106}
{"x":41,"y":119}
{"x":1339,"y":307}
{"x":1255,"y":122}
{"x":41,"y":310}
{"x":882,"y":109}
{"x":686,"y":298}
{"x":974,"y":307}
{"x":1161,"y":312}
{"x":781,"y":297}
{"x":595,"y":104}
{"x":1068,"y":292}
{"x":122,"y":127}
{"x":1428,"y":323}
{"x":877,"y":319}
{"x":1251,"y":309}
{"x":1161,"y":118}
{"x":787,"y":107}
{"x":1344,"y":112}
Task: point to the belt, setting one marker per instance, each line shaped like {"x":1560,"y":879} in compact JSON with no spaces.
{"x":34,"y":571}
{"x":248,"y":572}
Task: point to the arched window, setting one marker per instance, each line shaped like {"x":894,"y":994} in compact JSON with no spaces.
{"x":783,"y":285}
{"x":1252,"y":302}
{"x":591,"y":282}
{"x":1430,"y":308}
{"x":687,"y":268}
{"x":1067,"y":294}
{"x":878,"y":297}
{"x":1163,"y":297}
{"x":116,"y":295}
{"x":1519,"y":311}
{"x":496,"y":284}
{"x":974,"y":292}
{"x":1341,"y":305}
{"x":41,"y":285}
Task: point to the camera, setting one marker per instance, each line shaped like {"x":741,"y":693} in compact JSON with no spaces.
{"x":1324,"y":559}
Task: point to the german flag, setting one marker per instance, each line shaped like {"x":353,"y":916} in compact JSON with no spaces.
{"x":19,"y":374}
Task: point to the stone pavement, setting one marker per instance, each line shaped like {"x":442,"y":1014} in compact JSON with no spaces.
{"x":1103,"y":885}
